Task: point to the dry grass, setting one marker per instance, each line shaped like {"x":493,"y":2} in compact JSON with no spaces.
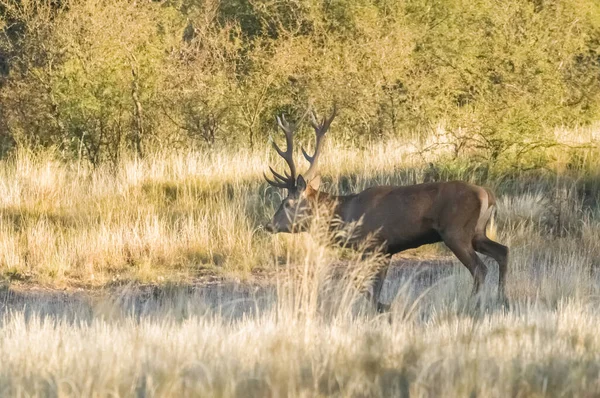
{"x":307,"y":332}
{"x":165,"y":218}
{"x":313,"y":336}
{"x":178,"y":217}
{"x":532,"y":352}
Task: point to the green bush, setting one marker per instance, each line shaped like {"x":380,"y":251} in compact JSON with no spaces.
{"x":98,"y":78}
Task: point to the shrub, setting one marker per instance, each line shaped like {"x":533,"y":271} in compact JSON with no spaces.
{"x":95,"y":78}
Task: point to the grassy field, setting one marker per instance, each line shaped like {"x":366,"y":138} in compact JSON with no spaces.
{"x":176,"y":345}
{"x":148,"y":234}
{"x":181,"y":217}
{"x":134,"y":135}
{"x":311,"y":335}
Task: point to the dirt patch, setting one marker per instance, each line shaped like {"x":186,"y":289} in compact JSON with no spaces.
{"x":217,"y":294}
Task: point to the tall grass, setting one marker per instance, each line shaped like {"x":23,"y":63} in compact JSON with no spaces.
{"x":313,"y":335}
{"x":184,"y":216}
{"x":305,"y":329}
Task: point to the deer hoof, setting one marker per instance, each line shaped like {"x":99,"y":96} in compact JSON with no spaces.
{"x":382,"y":308}
{"x":504,"y":303}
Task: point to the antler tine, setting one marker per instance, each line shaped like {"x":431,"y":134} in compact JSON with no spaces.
{"x":289,"y":180}
{"x":320,"y":130}
{"x":275,"y":183}
{"x":278,"y":177}
{"x":288,"y":155}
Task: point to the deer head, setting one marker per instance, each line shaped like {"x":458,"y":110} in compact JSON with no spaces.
{"x":296,"y":210}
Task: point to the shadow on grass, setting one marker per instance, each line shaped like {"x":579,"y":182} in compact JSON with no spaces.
{"x":229,"y":300}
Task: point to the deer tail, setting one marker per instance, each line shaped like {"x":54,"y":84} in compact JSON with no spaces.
{"x":490,"y":227}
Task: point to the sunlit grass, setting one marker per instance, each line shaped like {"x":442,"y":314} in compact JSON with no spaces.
{"x":304,"y":329}
{"x":166,"y":217}
{"x":180,"y":216}
{"x":313,"y":335}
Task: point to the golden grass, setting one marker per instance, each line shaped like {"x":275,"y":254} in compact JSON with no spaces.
{"x":307,"y":331}
{"x":167,"y":217}
{"x":529,"y":352}
{"x":313,"y":336}
{"x":181,"y":216}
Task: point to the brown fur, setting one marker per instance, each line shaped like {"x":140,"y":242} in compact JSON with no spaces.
{"x":402,"y":218}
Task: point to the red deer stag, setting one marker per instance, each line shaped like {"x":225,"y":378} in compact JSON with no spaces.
{"x":400,"y":217}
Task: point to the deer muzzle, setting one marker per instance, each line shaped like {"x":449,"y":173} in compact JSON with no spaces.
{"x":269,"y":227}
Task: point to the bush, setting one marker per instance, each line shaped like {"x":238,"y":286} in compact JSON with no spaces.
{"x":97,"y":78}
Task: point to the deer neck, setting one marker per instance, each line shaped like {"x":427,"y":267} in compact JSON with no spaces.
{"x":333,"y":205}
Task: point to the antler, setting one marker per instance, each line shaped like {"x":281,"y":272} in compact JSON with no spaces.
{"x":287,"y":181}
{"x":320,"y":130}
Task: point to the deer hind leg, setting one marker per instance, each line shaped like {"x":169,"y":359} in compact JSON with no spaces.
{"x":464,"y":251}
{"x":499,"y":253}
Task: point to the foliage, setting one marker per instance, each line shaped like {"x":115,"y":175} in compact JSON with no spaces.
{"x":99,"y":78}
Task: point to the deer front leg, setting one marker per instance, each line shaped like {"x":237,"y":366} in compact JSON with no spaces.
{"x":377,"y":287}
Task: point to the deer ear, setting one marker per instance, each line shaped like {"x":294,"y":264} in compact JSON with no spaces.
{"x":315,"y":183}
{"x":301,"y":184}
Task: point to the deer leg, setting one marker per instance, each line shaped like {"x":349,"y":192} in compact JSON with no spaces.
{"x":377,"y":286}
{"x":466,"y":254}
{"x":499,"y":253}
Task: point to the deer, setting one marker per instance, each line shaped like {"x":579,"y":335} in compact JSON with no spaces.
{"x":396,"y":218}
